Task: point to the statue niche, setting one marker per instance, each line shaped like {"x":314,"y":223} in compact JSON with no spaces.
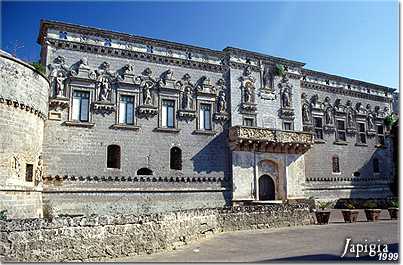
{"x":286,"y":111}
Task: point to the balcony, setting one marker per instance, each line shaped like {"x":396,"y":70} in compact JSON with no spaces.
{"x":266,"y":140}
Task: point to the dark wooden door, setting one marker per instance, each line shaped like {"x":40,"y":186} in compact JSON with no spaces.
{"x":266,"y":188}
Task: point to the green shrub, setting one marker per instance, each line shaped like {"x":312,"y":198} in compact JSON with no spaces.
{"x":349,"y":205}
{"x":280,"y":70}
{"x":39,"y":67}
{"x":370,"y":204}
{"x":3,"y":215}
{"x":394,"y":203}
{"x":324,"y":205}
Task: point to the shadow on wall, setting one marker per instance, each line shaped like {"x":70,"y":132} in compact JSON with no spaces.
{"x":213,"y":157}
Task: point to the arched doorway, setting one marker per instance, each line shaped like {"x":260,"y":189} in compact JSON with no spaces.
{"x":266,"y":188}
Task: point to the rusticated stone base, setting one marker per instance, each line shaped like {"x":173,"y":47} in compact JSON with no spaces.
{"x":97,"y":238}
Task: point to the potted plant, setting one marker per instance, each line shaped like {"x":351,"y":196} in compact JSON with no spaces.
{"x":371,"y":210}
{"x":393,"y":209}
{"x":350,"y":214}
{"x":323,"y":215}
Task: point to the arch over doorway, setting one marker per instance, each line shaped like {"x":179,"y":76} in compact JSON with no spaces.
{"x":267,"y":191}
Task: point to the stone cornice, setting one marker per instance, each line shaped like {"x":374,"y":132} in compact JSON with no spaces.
{"x":137,"y":178}
{"x":342,"y":91}
{"x":22,"y":106}
{"x":263,"y":57}
{"x":154,"y":58}
{"x":46,"y":24}
{"x":308,"y":72}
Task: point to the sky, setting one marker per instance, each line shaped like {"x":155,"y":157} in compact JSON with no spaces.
{"x":357,"y":40}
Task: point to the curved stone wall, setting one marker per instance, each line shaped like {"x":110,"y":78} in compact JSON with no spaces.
{"x":23,"y":109}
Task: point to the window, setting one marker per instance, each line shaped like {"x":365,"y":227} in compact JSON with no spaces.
{"x":335,"y":164}
{"x":126,"y":110}
{"x":341,"y":131}
{"x":318,"y":127}
{"x":144,"y":171}
{"x":113,"y":156}
{"x":356,"y":174}
{"x":362,"y":138}
{"x":248,"y":122}
{"x":205,"y":117}
{"x":380,"y":135}
{"x":287,"y":126}
{"x":375,"y":164}
{"x":81,"y":104}
{"x":176,"y":158}
{"x":29,"y":172}
{"x":63,"y":35}
{"x":168,"y":110}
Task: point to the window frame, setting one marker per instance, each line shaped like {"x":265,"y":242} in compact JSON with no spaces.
{"x":175,"y":100}
{"x":291,"y":125}
{"x":200,"y":103}
{"x":90,"y":101}
{"x":244,"y":119}
{"x":119,"y":97}
{"x":336,"y":158}
{"x":315,"y":128}
{"x":175,"y":162}
{"x":361,"y":133}
{"x":378,"y":135}
{"x":338,"y":131}
{"x":119,"y":161}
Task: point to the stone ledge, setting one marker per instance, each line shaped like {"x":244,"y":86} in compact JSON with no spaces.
{"x":125,"y":127}
{"x":166,"y":130}
{"x":204,"y":132}
{"x":79,"y":124}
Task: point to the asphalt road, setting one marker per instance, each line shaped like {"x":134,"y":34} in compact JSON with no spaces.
{"x":305,"y":243}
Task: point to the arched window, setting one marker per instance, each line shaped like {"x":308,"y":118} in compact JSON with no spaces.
{"x":335,"y":164}
{"x":144,"y":171}
{"x":375,"y":164}
{"x":113,"y":156}
{"x":176,"y":158}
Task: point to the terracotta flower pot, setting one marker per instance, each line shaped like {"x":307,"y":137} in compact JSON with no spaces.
{"x":322,"y":217}
{"x":372,"y":214}
{"x":393,"y":212}
{"x":350,"y":216}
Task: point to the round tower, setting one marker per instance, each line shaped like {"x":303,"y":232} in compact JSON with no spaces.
{"x":23,"y":109}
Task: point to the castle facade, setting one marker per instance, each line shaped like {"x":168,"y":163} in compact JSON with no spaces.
{"x":129,"y":124}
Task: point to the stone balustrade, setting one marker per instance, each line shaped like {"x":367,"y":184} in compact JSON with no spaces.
{"x":269,"y":140}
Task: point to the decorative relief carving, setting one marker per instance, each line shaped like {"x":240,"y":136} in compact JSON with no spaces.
{"x":270,"y":135}
{"x":248,"y":90}
{"x":286,"y":111}
{"x":268,"y":91}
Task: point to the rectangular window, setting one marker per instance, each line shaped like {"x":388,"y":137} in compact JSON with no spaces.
{"x":81,"y":104}
{"x":341,"y":131}
{"x":248,"y":122}
{"x":287,"y":126}
{"x":168,"y":113}
{"x":318,"y":127}
{"x":126,"y":110}
{"x":205,"y":117}
{"x":380,"y":135}
{"x":29,"y":172}
{"x":362,"y":138}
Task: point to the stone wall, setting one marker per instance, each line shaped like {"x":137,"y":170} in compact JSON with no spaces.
{"x":23,"y":108}
{"x":98,"y":238}
{"x":323,"y":183}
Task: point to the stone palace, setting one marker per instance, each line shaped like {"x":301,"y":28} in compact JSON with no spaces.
{"x":129,"y":124}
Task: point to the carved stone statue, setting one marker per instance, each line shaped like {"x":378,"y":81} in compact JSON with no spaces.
{"x":105,"y":89}
{"x":267,"y":78}
{"x":286,"y":97}
{"x":59,"y":86}
{"x":306,"y":113}
{"x":350,"y":119}
{"x":329,"y":116}
{"x":83,"y":63}
{"x":248,"y":92}
{"x":370,"y":121}
{"x":39,"y":171}
{"x":147,"y":99}
{"x":17,"y":165}
{"x":222,"y":102}
{"x":186,"y":98}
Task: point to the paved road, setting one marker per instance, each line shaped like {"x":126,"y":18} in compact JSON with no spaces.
{"x":313,"y":242}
